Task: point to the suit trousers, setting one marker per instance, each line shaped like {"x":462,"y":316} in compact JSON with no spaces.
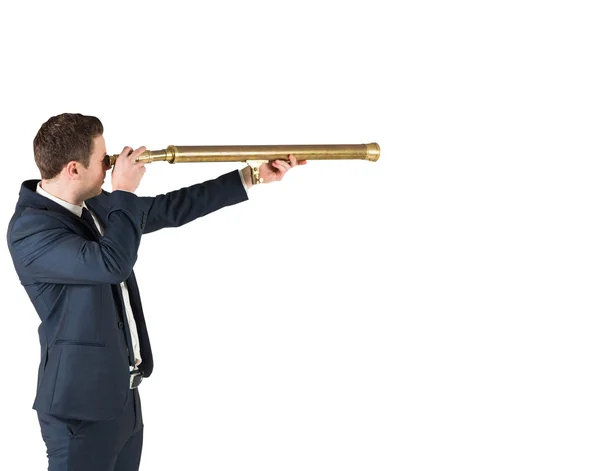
{"x":111,"y":445}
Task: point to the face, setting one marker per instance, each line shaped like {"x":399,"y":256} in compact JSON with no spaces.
{"x":93,"y":177}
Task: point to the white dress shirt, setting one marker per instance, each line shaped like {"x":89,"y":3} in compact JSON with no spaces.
{"x":77,"y":210}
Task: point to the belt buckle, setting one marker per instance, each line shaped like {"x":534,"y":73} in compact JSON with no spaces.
{"x":135,"y":379}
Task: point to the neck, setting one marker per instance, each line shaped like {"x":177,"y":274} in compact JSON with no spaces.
{"x":58,"y":189}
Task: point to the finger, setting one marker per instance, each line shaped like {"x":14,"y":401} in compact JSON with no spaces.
{"x":139,"y":151}
{"x":126,"y":151}
{"x":282,"y":165}
{"x":294,"y":162}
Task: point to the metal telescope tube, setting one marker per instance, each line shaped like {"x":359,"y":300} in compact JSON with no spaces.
{"x":176,"y":154}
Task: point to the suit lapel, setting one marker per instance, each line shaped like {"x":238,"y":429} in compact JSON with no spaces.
{"x":28,"y":196}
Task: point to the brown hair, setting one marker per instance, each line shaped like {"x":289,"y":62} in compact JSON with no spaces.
{"x":63,"y":138}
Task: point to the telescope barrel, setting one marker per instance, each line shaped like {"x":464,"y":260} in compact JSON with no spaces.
{"x":176,"y":154}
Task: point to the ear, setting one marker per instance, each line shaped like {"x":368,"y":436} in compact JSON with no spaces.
{"x":72,"y":170}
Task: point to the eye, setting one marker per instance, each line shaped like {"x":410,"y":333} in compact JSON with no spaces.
{"x":106,"y":161}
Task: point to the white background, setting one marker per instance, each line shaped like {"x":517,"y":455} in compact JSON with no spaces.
{"x":435,"y":310}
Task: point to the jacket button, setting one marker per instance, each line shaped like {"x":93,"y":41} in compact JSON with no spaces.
{"x":120,"y":324}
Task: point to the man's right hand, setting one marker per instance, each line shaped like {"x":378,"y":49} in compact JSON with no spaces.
{"x":127,"y":173}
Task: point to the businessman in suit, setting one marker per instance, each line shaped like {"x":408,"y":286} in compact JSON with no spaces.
{"x":74,"y":246}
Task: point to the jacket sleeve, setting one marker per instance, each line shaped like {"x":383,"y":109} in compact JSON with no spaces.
{"x":45,"y":249}
{"x":179,"y":207}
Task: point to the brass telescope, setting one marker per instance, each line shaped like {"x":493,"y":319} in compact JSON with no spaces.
{"x":255,"y":156}
{"x":176,"y":154}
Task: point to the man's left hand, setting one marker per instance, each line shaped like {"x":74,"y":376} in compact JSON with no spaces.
{"x":274,"y":170}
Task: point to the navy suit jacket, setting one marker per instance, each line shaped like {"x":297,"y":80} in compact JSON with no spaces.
{"x":72,"y":278}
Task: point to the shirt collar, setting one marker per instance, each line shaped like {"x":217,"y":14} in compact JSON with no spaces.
{"x":77,"y":210}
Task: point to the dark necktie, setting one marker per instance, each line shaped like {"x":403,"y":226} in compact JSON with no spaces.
{"x":87,"y":217}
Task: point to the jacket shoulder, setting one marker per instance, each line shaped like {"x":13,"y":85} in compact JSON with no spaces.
{"x":31,"y":220}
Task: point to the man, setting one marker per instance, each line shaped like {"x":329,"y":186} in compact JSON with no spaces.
{"x":74,"y":247}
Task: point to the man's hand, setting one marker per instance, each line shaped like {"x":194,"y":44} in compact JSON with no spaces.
{"x":275,"y":170}
{"x":127,"y":173}
{"x":272,"y":171}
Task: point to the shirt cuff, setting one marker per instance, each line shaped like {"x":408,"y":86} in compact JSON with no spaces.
{"x":243,"y":182}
